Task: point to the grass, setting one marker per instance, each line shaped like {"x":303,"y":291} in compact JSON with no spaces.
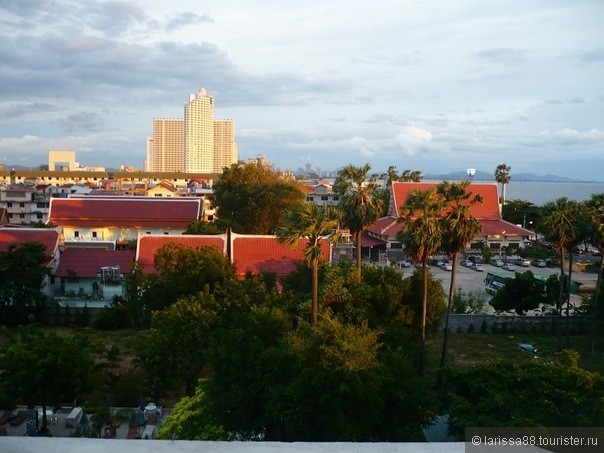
{"x":465,"y":349}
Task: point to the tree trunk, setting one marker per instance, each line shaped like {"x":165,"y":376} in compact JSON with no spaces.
{"x":443,"y":354}
{"x":358,"y":235}
{"x":422,"y":352}
{"x":594,"y":316}
{"x":570,"y":273}
{"x":560,"y":299}
{"x":314,"y":309}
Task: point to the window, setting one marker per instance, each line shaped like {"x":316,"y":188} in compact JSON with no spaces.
{"x":324,"y":198}
{"x":39,"y":216}
{"x":21,"y":205}
{"x":9,"y":205}
{"x":22,"y":216}
{"x":94,"y":234}
{"x":76,"y":234}
{"x":310,"y":199}
{"x":336,"y":197}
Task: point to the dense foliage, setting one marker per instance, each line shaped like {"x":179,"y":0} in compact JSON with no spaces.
{"x":252,"y":198}
{"x":21,"y":292}
{"x":534,"y":393}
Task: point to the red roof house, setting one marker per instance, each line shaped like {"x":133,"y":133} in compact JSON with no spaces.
{"x":255,"y":254}
{"x":494,"y":228}
{"x":148,"y":246}
{"x":124,"y":212}
{"x":121,"y":219}
{"x":17,"y":236}
{"x":88,"y":263}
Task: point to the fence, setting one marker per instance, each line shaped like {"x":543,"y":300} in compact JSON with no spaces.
{"x":502,"y":324}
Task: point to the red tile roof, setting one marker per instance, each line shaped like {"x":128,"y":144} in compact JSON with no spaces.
{"x":386,"y":226}
{"x":124,"y":212}
{"x":501,"y":227}
{"x":88,"y":263}
{"x":47,"y":236}
{"x":148,"y":246}
{"x":266,"y":254}
{"x":487,"y":210}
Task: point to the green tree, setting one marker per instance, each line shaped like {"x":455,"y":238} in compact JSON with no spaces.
{"x":558,"y":224}
{"x":253,"y":198}
{"x":333,"y":393}
{"x":596,"y":209}
{"x":520,"y":294}
{"x":459,"y":229}
{"x":521,"y":212}
{"x":45,"y":369}
{"x":413,"y":298}
{"x":509,"y":393}
{"x":182,"y":271}
{"x":313,"y":223}
{"x":202,"y":227}
{"x":502,"y":176}
{"x":359,"y":204}
{"x":410,"y":176}
{"x":182,"y":333}
{"x":190,"y":419}
{"x":421,"y":237}
{"x":21,"y":292}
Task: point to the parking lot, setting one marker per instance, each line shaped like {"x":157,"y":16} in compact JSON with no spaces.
{"x":470,"y":280}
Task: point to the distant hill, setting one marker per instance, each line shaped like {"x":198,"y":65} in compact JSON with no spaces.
{"x":489,"y":177}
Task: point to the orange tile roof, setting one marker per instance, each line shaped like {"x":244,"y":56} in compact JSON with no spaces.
{"x":88,"y":263}
{"x":148,"y":246}
{"x":47,"y":236}
{"x":266,"y":254}
{"x":124,"y":212}
{"x":487,"y":210}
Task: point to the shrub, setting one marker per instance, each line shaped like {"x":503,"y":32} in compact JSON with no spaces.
{"x":113,"y":318}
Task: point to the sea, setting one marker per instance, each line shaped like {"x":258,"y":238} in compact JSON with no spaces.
{"x":539,"y":192}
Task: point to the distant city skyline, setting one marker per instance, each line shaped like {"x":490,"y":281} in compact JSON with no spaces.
{"x":434,"y":86}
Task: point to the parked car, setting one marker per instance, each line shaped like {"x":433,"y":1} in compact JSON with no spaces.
{"x":446,"y":266}
{"x":466,"y":263}
{"x":402,"y":263}
{"x":523,"y":262}
{"x":478,"y":267}
{"x":539,"y":263}
{"x":508,"y":267}
{"x":497,"y":263}
{"x":549,"y":262}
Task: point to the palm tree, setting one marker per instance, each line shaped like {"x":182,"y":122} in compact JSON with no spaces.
{"x":421,"y":237}
{"x":459,"y":228}
{"x":313,"y":223}
{"x":596,"y":208}
{"x":502,"y":176}
{"x":359,"y":203}
{"x":559,"y":230}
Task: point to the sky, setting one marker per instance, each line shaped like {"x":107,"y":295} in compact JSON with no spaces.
{"x":430,"y":85}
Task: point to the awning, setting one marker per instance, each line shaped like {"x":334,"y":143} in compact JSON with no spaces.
{"x":369,"y":241}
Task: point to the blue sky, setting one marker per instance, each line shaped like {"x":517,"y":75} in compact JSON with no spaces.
{"x":435,"y":86}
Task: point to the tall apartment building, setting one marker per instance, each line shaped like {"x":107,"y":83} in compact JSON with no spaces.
{"x":225,"y":148}
{"x":167,"y":145}
{"x":197,"y":144}
{"x":199,"y":133}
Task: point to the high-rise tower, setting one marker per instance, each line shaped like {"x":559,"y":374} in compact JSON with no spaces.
{"x":225,"y":148}
{"x":199,"y":133}
{"x":167,"y":145}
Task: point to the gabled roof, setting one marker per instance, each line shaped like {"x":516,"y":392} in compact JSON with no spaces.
{"x":487,"y":210}
{"x":47,"y":236}
{"x":126,"y":212}
{"x":385,"y":226}
{"x":148,"y":246}
{"x":88,"y":263}
{"x":255,"y":253}
{"x":501,"y":227}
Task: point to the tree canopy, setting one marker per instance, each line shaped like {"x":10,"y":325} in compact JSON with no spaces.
{"x":45,"y":369}
{"x":21,"y":292}
{"x":252,"y":199}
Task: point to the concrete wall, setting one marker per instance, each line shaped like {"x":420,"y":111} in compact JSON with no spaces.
{"x":502,"y":324}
